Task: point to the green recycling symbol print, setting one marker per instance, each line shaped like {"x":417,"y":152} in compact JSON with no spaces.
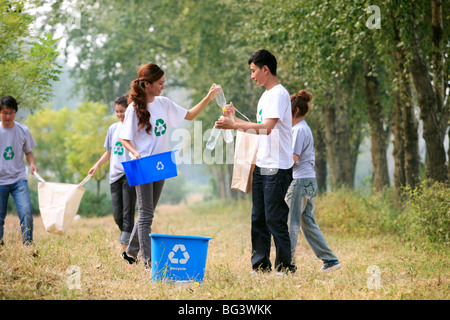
{"x":259,"y":116}
{"x":118,"y":148}
{"x":9,"y":153}
{"x":160,"y":127}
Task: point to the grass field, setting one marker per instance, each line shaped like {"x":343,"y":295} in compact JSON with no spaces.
{"x":373,"y":267}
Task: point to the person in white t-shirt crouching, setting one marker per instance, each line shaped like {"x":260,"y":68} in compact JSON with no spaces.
{"x":145,"y":133}
{"x":273,"y":171}
{"x":123,"y":197}
{"x":304,"y":186}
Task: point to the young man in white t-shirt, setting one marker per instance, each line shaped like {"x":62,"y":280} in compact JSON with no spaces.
{"x":273,"y":171}
{"x":16,"y":142}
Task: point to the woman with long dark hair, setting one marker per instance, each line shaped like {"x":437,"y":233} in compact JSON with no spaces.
{"x":144,"y":133}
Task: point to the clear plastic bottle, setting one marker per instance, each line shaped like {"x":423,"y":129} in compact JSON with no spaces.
{"x":212,"y":140}
{"x":220,"y":98}
{"x":221,"y":101}
{"x":227,"y":135}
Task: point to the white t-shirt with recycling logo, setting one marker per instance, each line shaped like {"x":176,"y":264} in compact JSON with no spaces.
{"x":117,"y":151}
{"x":164,"y":113}
{"x":275,"y":149}
{"x":14,"y":143}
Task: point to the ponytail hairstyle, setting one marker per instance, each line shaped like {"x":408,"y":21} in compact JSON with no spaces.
{"x":300,"y":101}
{"x":147,"y":73}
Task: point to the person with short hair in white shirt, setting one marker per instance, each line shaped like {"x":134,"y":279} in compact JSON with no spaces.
{"x":304,"y":186}
{"x":144,"y":133}
{"x":123,"y":197}
{"x":273,"y":171}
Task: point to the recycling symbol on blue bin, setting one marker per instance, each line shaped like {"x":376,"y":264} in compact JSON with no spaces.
{"x":174,"y":250}
{"x":159,"y":166}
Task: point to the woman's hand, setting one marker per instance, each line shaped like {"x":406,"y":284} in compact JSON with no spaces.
{"x":136,"y":154}
{"x":213,"y":92}
{"x":195,"y":111}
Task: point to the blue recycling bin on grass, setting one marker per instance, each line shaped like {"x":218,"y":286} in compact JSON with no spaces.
{"x":178,"y":258}
{"x":150,"y":169}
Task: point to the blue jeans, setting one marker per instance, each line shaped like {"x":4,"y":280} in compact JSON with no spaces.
{"x":299,"y":198}
{"x":269,"y":218}
{"x":21,"y":196}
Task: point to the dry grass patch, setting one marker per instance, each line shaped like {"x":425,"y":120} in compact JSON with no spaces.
{"x":41,"y":271}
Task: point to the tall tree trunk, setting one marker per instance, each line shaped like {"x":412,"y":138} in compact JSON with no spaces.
{"x":439,"y":83}
{"x":377,"y":132}
{"x":438,"y":53}
{"x":330,"y":134}
{"x":430,"y":104}
{"x":345,"y":168}
{"x":404,"y":100}
{"x":399,"y":150}
{"x":340,"y":147}
{"x":321,"y":155}
{"x":98,"y":188}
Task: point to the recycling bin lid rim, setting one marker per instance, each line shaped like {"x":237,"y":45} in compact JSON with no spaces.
{"x":153,"y":235}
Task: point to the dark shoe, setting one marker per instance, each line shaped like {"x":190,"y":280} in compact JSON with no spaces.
{"x":330,"y":267}
{"x":287,"y":270}
{"x":127,"y":258}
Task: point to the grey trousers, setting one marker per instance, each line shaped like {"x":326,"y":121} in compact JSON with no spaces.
{"x":147,"y":199}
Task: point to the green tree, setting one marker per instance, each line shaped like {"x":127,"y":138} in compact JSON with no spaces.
{"x":90,"y":123}
{"x":193,"y":41}
{"x":361,"y":78}
{"x":27,"y":62}
{"x":50,"y":129}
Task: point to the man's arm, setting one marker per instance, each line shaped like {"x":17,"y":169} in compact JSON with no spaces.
{"x":30,"y":159}
{"x":264,"y":127}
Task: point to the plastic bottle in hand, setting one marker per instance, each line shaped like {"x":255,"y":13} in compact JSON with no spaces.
{"x":220,"y":98}
{"x":214,"y":135}
{"x":221,"y":101}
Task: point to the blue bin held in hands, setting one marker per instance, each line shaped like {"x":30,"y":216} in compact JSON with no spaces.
{"x":150,"y":169}
{"x":178,"y":258}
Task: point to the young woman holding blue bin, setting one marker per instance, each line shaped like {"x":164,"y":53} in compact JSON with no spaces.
{"x":144,"y":133}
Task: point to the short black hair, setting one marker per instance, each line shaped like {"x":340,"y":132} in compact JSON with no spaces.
{"x":122,"y":101}
{"x":263,"y":58}
{"x":8,"y":102}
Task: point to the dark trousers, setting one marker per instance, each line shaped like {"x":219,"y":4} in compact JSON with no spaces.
{"x":123,"y":198}
{"x":269,"y":218}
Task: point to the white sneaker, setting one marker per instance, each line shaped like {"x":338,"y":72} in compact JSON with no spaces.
{"x":330,"y":268}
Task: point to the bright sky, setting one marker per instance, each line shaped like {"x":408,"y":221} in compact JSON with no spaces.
{"x":71,"y":59}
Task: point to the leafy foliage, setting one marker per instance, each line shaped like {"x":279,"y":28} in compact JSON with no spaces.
{"x":85,"y":142}
{"x":27,"y":63}
{"x":424,"y":217}
{"x":430,"y":211}
{"x":70,"y":141}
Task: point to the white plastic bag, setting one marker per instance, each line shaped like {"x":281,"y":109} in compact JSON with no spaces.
{"x":58,"y":203}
